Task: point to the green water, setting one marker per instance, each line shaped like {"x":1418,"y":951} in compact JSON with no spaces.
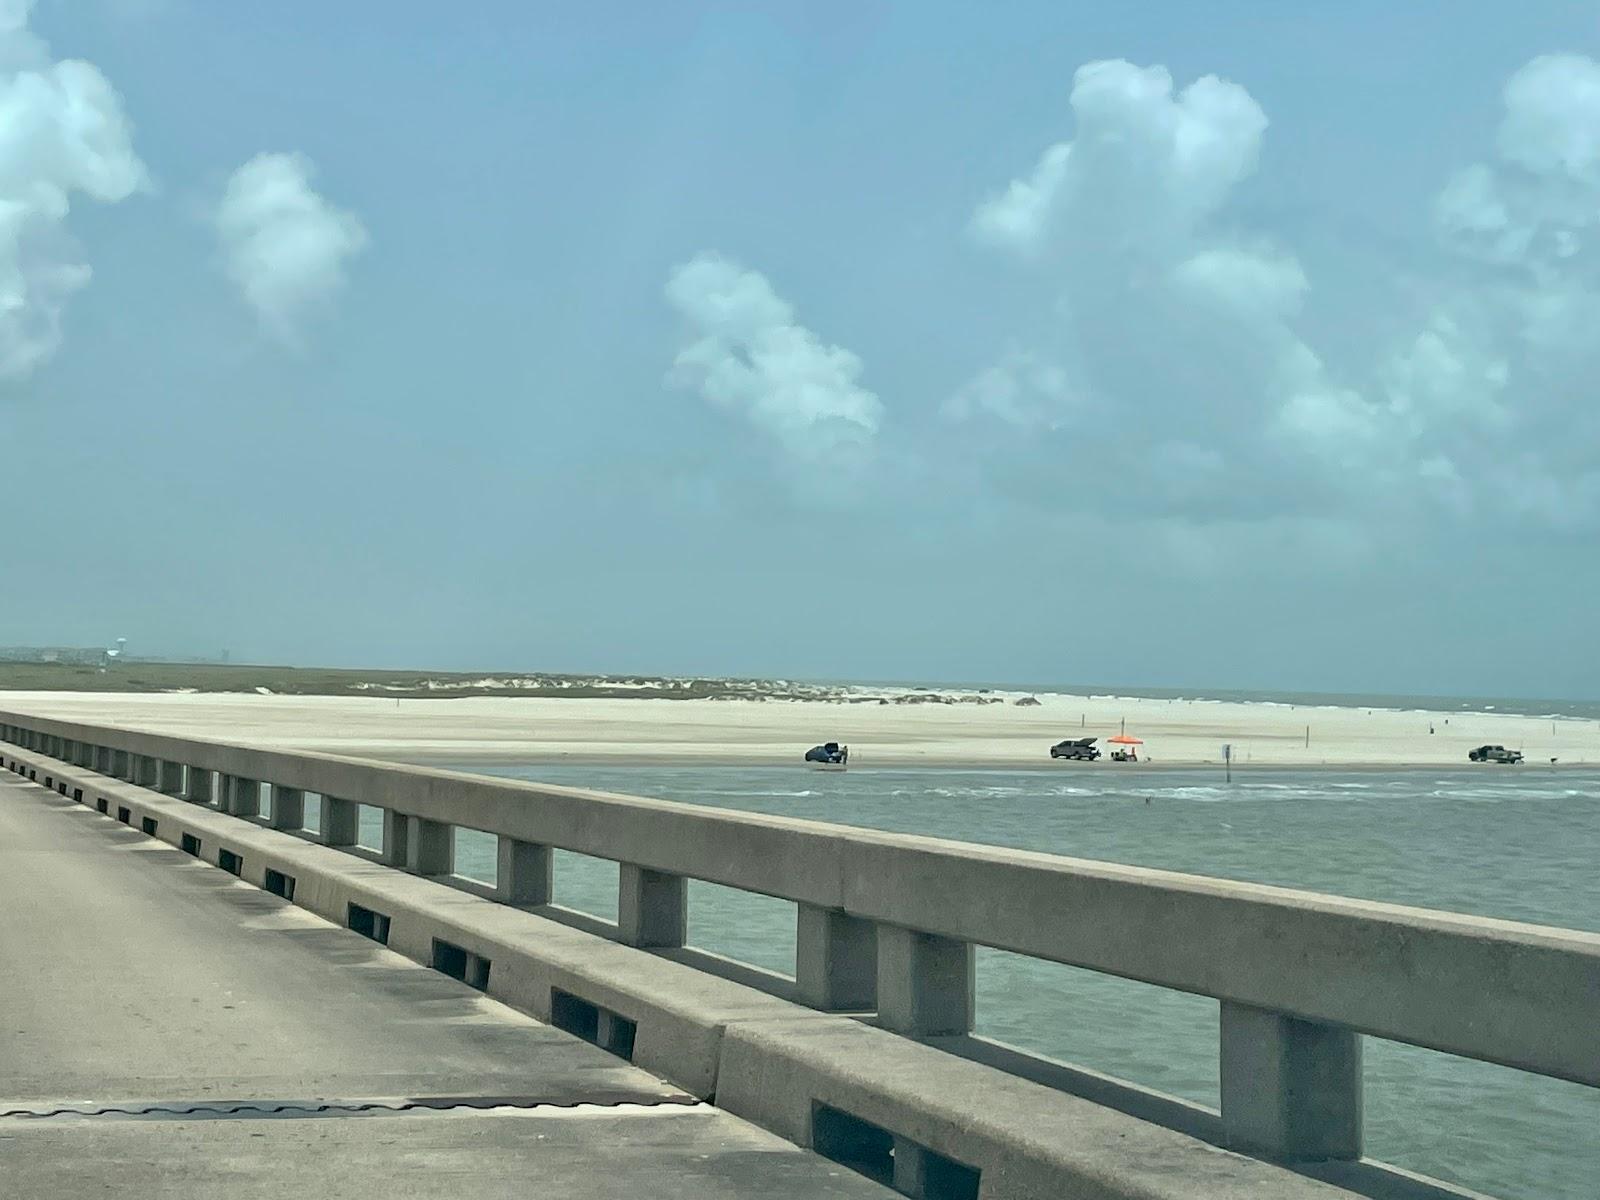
{"x":1521,"y":844}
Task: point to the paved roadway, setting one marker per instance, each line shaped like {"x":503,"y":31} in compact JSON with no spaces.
{"x":134,"y":977}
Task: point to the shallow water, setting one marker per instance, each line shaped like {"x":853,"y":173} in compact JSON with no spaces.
{"x":1521,"y":844}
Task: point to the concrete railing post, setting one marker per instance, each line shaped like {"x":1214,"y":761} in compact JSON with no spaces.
{"x":835,"y":959}
{"x":652,"y":907}
{"x":198,"y":788}
{"x":396,"y":837}
{"x":430,"y":847}
{"x":925,"y":982}
{"x":524,"y":873}
{"x":171,"y":778}
{"x":1291,"y":1089}
{"x":241,"y":797}
{"x":288,"y":808}
{"x":341,"y":822}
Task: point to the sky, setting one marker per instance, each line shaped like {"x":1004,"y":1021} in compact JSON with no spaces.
{"x":1236,"y":345}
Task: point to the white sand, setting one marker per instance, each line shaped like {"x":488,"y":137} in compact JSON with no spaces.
{"x":504,"y":729}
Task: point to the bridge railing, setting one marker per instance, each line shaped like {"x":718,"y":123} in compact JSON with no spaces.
{"x":889,"y":922}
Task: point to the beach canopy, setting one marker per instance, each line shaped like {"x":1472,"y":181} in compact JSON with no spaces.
{"x":1126,"y":740}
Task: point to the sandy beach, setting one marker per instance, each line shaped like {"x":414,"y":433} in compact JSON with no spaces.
{"x":966,"y":729}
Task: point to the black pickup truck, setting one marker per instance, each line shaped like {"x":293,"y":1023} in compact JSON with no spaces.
{"x":1497,"y":754}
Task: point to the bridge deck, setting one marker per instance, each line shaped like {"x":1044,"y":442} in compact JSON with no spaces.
{"x":135,"y":978}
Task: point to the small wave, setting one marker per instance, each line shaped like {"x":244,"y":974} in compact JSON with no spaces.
{"x":750,"y":793}
{"x":1205,"y":795}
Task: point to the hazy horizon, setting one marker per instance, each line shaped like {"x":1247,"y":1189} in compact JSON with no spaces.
{"x":1237,"y":348}
{"x":1155,"y":689}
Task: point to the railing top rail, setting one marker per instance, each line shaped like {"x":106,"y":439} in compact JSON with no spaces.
{"x":1523,"y":995}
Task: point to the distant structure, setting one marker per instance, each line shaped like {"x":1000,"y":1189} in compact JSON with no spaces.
{"x":81,"y":656}
{"x":96,"y":656}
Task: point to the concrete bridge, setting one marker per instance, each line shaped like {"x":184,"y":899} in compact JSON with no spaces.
{"x":169,"y":1030}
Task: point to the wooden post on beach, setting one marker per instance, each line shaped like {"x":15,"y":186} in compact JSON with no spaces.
{"x":1308,"y":737}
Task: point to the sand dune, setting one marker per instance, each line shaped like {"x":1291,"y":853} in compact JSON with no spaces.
{"x":996,"y":733}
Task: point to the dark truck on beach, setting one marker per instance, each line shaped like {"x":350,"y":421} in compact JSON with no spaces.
{"x":1079,"y":748}
{"x":1498,"y":754}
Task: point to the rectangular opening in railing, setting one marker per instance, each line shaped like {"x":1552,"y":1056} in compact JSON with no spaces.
{"x":367,"y":923}
{"x":585,"y":884}
{"x":461,"y":963}
{"x":609,"y":1030}
{"x":894,"y":1161}
{"x":744,"y":926}
{"x":369,"y":827}
{"x":475,"y":857}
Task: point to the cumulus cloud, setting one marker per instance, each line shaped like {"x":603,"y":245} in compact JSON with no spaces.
{"x":1178,"y":337}
{"x":1510,"y":351}
{"x":283,"y":244}
{"x":63,"y":133}
{"x":1176,"y":330}
{"x":749,"y":356}
{"x":1143,"y":159}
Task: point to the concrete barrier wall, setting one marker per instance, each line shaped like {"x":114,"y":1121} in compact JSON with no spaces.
{"x":887,"y":922}
{"x":1521,"y":995}
{"x":958,"y":1129}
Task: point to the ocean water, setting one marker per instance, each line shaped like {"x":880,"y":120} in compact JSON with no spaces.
{"x":1522,"y":844}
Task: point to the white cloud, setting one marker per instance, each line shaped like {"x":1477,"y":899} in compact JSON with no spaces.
{"x":1552,"y":121}
{"x":283,"y":244}
{"x":1177,"y":333}
{"x":749,"y":356}
{"x":1022,"y":389}
{"x":1019,"y":216}
{"x":1194,"y":365}
{"x":63,"y":132}
{"x":1509,"y":353}
{"x":1142,"y":158}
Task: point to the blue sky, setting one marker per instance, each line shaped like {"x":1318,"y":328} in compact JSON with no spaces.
{"x":1227,"y":346}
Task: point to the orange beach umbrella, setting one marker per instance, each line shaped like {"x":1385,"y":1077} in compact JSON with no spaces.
{"x":1124,"y":739}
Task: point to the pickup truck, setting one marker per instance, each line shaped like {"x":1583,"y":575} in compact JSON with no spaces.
{"x":1498,"y":754}
{"x":1083,"y":749}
